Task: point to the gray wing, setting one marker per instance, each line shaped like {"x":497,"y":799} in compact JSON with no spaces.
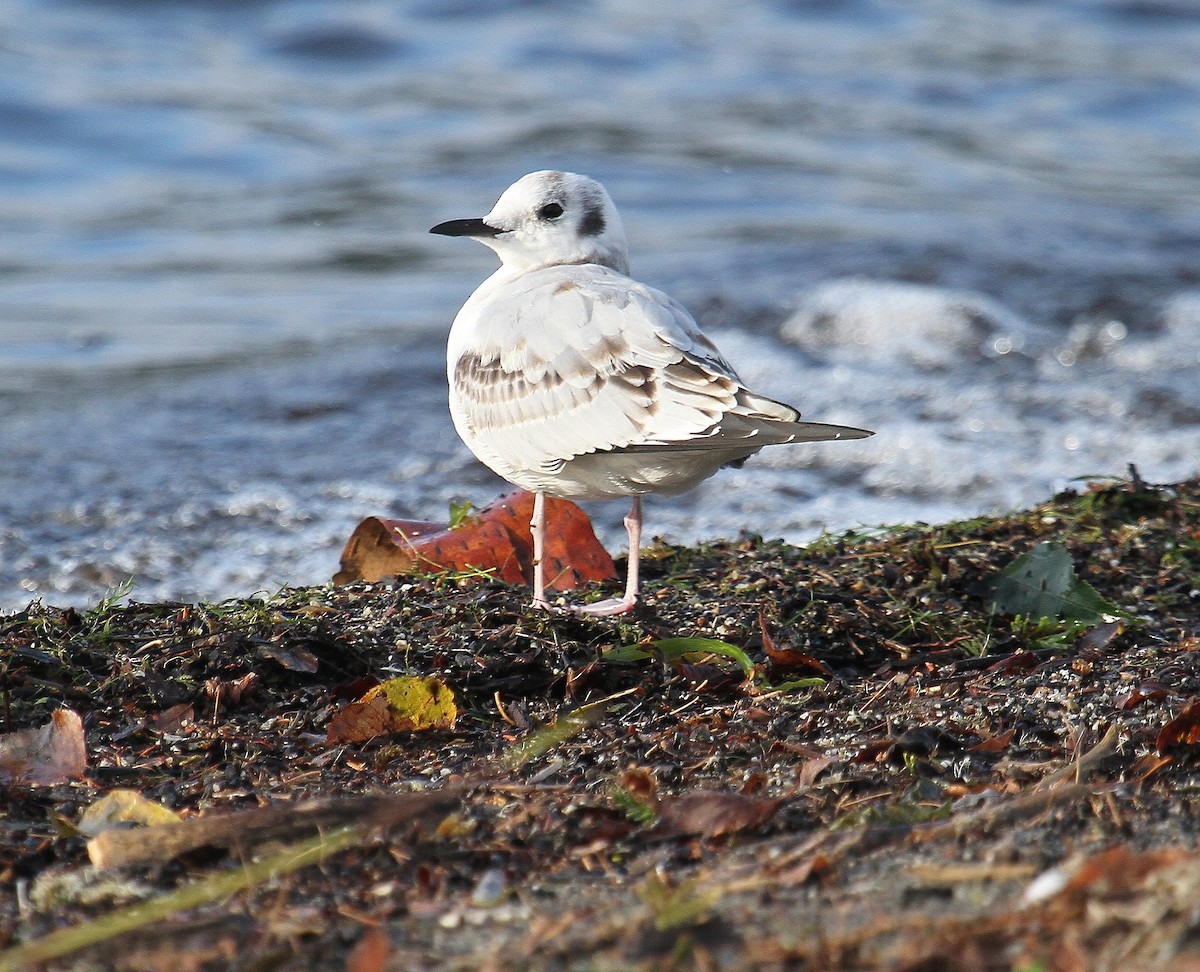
{"x":573,"y":360}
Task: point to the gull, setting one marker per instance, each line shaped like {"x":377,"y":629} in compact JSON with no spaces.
{"x":568,"y":378}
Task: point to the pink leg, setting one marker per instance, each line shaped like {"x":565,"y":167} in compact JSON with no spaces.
{"x":633,"y":524}
{"x":537,"y":527}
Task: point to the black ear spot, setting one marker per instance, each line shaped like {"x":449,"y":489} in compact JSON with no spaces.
{"x":592,"y":223}
{"x":551,"y":210}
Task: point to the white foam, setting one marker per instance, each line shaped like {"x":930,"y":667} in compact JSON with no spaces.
{"x":929,"y":327}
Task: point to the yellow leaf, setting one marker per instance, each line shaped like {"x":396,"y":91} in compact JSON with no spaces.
{"x":406,"y":704}
{"x":416,"y":703}
{"x":122,"y":807}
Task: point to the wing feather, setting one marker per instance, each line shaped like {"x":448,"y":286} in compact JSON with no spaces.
{"x":572,"y":360}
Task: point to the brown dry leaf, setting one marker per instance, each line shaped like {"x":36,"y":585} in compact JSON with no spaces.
{"x":122,"y":807}
{"x":370,"y":953}
{"x":1120,"y":869}
{"x":497,"y":539}
{"x":1148,"y":690}
{"x":796,"y":749}
{"x":713,"y":814}
{"x":53,"y":753}
{"x":754,"y":783}
{"x":404,"y":704}
{"x":876,"y":751}
{"x":812,"y":768}
{"x":240,"y":688}
{"x":292,"y":657}
{"x":810,"y":867}
{"x":353,"y":690}
{"x":358,"y":722}
{"x":1146,"y":766}
{"x":994,"y":744}
{"x":785,"y":658}
{"x":641,"y":785}
{"x":1101,"y":636}
{"x":708,"y":677}
{"x":599,"y":828}
{"x":1016,"y":664}
{"x":169,"y":720}
{"x":1183,"y":730}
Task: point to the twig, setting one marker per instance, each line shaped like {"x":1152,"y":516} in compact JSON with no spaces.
{"x":118,"y":847}
{"x":70,"y":940}
{"x":372,"y":814}
{"x":1084,"y":764}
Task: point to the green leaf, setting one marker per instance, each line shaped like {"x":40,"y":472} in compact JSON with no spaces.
{"x":636,"y":810}
{"x":1043,"y":584}
{"x":541,"y":741}
{"x":461,"y":513}
{"x":795,"y":684}
{"x":628,"y":653}
{"x":675,"y":649}
{"x":676,"y":906}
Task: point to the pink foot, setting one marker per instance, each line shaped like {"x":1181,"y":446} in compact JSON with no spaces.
{"x":604,"y":609}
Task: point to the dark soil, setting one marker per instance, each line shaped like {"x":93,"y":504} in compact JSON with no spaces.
{"x":881,"y":792}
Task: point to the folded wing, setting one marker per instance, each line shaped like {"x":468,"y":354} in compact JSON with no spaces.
{"x":568,"y":361}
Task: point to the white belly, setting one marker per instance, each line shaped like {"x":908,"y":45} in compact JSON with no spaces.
{"x":607,"y":475}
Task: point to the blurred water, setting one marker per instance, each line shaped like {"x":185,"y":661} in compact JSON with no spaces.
{"x":222,"y":316}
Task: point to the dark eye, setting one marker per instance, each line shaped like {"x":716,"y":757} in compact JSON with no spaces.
{"x":550,"y":211}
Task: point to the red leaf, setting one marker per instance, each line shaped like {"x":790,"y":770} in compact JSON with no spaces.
{"x":1145,"y":690}
{"x":497,"y":539}
{"x":994,"y":744}
{"x":353,"y":690}
{"x":875,"y":751}
{"x":1146,"y":766}
{"x":370,"y":952}
{"x":1183,"y":730}
{"x":1022,"y":661}
{"x":785,"y":658}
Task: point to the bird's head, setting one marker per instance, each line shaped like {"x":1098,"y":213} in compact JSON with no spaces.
{"x":548,"y":219}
